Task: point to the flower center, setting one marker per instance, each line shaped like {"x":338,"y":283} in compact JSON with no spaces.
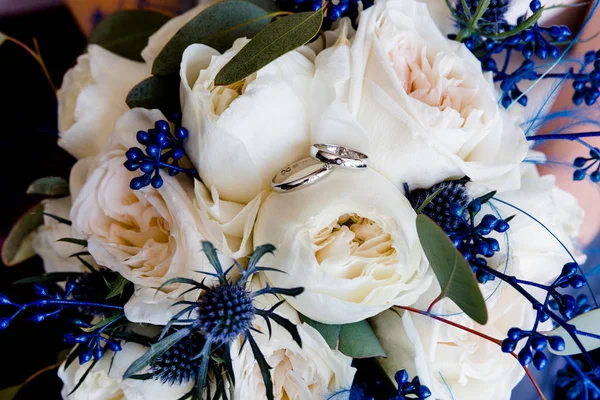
{"x":357,"y":243}
{"x":225,"y":311}
{"x":223,"y":96}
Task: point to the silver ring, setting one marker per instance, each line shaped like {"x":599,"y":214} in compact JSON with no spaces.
{"x":280,"y":185}
{"x":339,"y":156}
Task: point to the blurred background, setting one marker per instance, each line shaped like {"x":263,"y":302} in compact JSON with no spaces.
{"x":28,"y":151}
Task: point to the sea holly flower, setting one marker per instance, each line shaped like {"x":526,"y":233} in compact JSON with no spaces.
{"x":222,"y":313}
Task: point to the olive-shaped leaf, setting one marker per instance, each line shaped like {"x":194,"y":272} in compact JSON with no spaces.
{"x":218,"y":27}
{"x":276,"y":39}
{"x":451,"y":270}
{"x":126,"y":32}
{"x":156,"y":92}
{"x":49,"y":186}
{"x":17,"y":246}
{"x":585,"y":323}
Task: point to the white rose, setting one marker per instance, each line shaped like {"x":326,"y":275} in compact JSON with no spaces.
{"x":350,"y":240}
{"x":414,"y":101}
{"x":57,"y":255}
{"x":446,"y":357}
{"x":241,"y":135}
{"x":105,"y":380}
{"x":226,"y":224}
{"x":312,"y":371}
{"x":147,"y":235}
{"x":92,"y":97}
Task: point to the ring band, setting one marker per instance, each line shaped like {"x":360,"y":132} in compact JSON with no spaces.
{"x":338,"y":155}
{"x":279,"y":185}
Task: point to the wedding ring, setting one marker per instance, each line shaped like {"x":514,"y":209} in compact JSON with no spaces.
{"x":279,"y":183}
{"x":340,"y":156}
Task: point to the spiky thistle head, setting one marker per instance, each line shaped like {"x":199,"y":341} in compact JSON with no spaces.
{"x":222,"y":313}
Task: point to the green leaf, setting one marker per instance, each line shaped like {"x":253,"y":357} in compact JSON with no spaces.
{"x":263,"y":365}
{"x":510,"y":218}
{"x":479,"y":11}
{"x":104,"y":322}
{"x":429,"y":199}
{"x":126,"y":32}
{"x":451,"y":270}
{"x":156,"y":92}
{"x":60,"y":220}
{"x":330,"y":333}
{"x":528,"y":23}
{"x":17,"y":246}
{"x":118,"y":287}
{"x":355,"y":340}
{"x":49,"y":277}
{"x":276,"y":39}
{"x":358,"y":340}
{"x":49,"y":186}
{"x":80,"y":242}
{"x":588,"y":322}
{"x":487,"y":197}
{"x":218,"y":27}
{"x":155,"y":351}
{"x":10,"y":392}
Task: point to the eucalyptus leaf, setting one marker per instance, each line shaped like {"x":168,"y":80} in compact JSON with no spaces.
{"x":126,"y":32}
{"x":49,"y":186}
{"x":451,"y":270}
{"x":276,"y":39}
{"x":9,"y":393}
{"x":218,"y":27}
{"x":358,"y":340}
{"x":588,"y":322}
{"x":330,"y":333}
{"x":156,"y":92}
{"x":17,"y":247}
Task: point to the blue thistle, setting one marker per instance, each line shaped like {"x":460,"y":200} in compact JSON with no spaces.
{"x":221,"y":314}
{"x":163,"y":150}
{"x":439,"y":208}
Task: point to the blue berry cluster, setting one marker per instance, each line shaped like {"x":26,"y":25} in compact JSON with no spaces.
{"x":333,"y":10}
{"x":567,"y":305}
{"x":163,"y":150}
{"x":92,"y":344}
{"x":410,"y":390}
{"x":492,"y":36}
{"x":535,"y":344}
{"x":575,"y":383}
{"x":583,"y":164}
{"x":453,"y":210}
{"x":470,"y":238}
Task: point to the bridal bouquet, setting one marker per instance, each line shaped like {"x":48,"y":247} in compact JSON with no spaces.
{"x":306,"y":200}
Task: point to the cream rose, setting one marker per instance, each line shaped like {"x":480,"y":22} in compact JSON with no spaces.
{"x":350,"y":240}
{"x":456,"y":364}
{"x":92,"y":97}
{"x":147,"y":235}
{"x":312,"y":371}
{"x":57,"y":255}
{"x":241,"y":135}
{"x":105,"y":380}
{"x":414,"y":101}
